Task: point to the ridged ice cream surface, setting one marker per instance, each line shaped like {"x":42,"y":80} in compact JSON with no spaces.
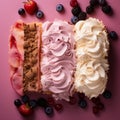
{"x":58,"y":59}
{"x":91,"y":51}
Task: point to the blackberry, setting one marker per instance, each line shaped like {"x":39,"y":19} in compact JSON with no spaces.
{"x":93,"y":2}
{"x":82,"y":16}
{"x":102,"y":2}
{"x":107,"y":9}
{"x":89,"y":9}
{"x":76,"y":10}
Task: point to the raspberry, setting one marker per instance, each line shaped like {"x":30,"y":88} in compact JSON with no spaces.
{"x":73,"y":3}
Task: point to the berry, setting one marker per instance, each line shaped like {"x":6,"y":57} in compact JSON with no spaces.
{"x":72,"y":100}
{"x":82,"y":103}
{"x":30,"y":6}
{"x":100,"y":106}
{"x":74,"y":19}
{"x":107,"y":9}
{"x":95,"y":110}
{"x":39,"y":14}
{"x":58,"y":107}
{"x":17,"y":103}
{"x":73,"y":3}
{"x":113,"y":35}
{"x":48,"y":110}
{"x":59,"y":8}
{"x":76,"y":10}
{"x":89,"y":9}
{"x":93,"y":2}
{"x":81,"y":95}
{"x":25,"y":99}
{"x":50,"y":101}
{"x":102,"y":2}
{"x":25,"y":110}
{"x":107,"y":94}
{"x":42,"y":102}
{"x":82,"y":16}
{"x":32,"y":103}
{"x":96,"y":100}
{"x":21,"y":11}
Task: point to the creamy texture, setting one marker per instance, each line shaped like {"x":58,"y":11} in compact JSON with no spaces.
{"x":91,"y":51}
{"x":58,"y":59}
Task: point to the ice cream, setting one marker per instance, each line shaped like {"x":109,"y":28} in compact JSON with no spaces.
{"x":58,"y":59}
{"x":91,"y":51}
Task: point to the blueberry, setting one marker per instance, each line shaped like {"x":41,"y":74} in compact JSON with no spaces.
{"x":107,"y":94}
{"x":25,"y":99}
{"x":107,"y":9}
{"x":17,"y":103}
{"x":82,"y":103}
{"x":102,"y":2}
{"x":89,"y":9}
{"x":93,"y":2}
{"x":59,"y":7}
{"x":76,"y":10}
{"x":39,"y":14}
{"x":49,"y":110}
{"x":32,"y":103}
{"x":113,"y":35}
{"x":42,"y":102}
{"x":82,"y":16}
{"x":21,"y":11}
{"x":74,"y":19}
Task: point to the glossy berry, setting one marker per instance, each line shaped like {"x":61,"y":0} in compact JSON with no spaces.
{"x":59,"y":8}
{"x":93,"y":2}
{"x":51,"y":101}
{"x":21,"y":11}
{"x":100,"y":106}
{"x":102,"y":2}
{"x":113,"y":35}
{"x":48,"y":110}
{"x":58,"y":107}
{"x":72,"y":100}
{"x":74,"y":19}
{"x":32,"y":103}
{"x":107,"y":9}
{"x":25,"y":99}
{"x":89,"y":9}
{"x":95,"y":110}
{"x":76,"y":11}
{"x":107,"y":94}
{"x":39,"y":14}
{"x":73,"y":3}
{"x":81,"y":95}
{"x":82,"y":103}
{"x":17,"y":103}
{"x":82,"y":16}
{"x":96,"y":100}
{"x":42,"y":102}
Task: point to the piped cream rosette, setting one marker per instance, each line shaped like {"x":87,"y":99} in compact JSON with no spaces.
{"x":91,"y":51}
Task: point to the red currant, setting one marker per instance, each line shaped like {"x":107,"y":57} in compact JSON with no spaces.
{"x":73,"y":3}
{"x":58,"y":107}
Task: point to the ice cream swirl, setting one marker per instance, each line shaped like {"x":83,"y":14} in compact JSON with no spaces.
{"x":58,"y":59}
{"x":91,"y":51}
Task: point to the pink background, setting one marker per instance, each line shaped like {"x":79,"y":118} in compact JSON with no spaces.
{"x":8,"y":15}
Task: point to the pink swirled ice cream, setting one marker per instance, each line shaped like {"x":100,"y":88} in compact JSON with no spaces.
{"x":58,"y":59}
{"x":91,"y":50}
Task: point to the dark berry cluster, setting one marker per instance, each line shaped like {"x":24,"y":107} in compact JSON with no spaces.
{"x":106,"y":8}
{"x":76,"y":11}
{"x":26,"y":105}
